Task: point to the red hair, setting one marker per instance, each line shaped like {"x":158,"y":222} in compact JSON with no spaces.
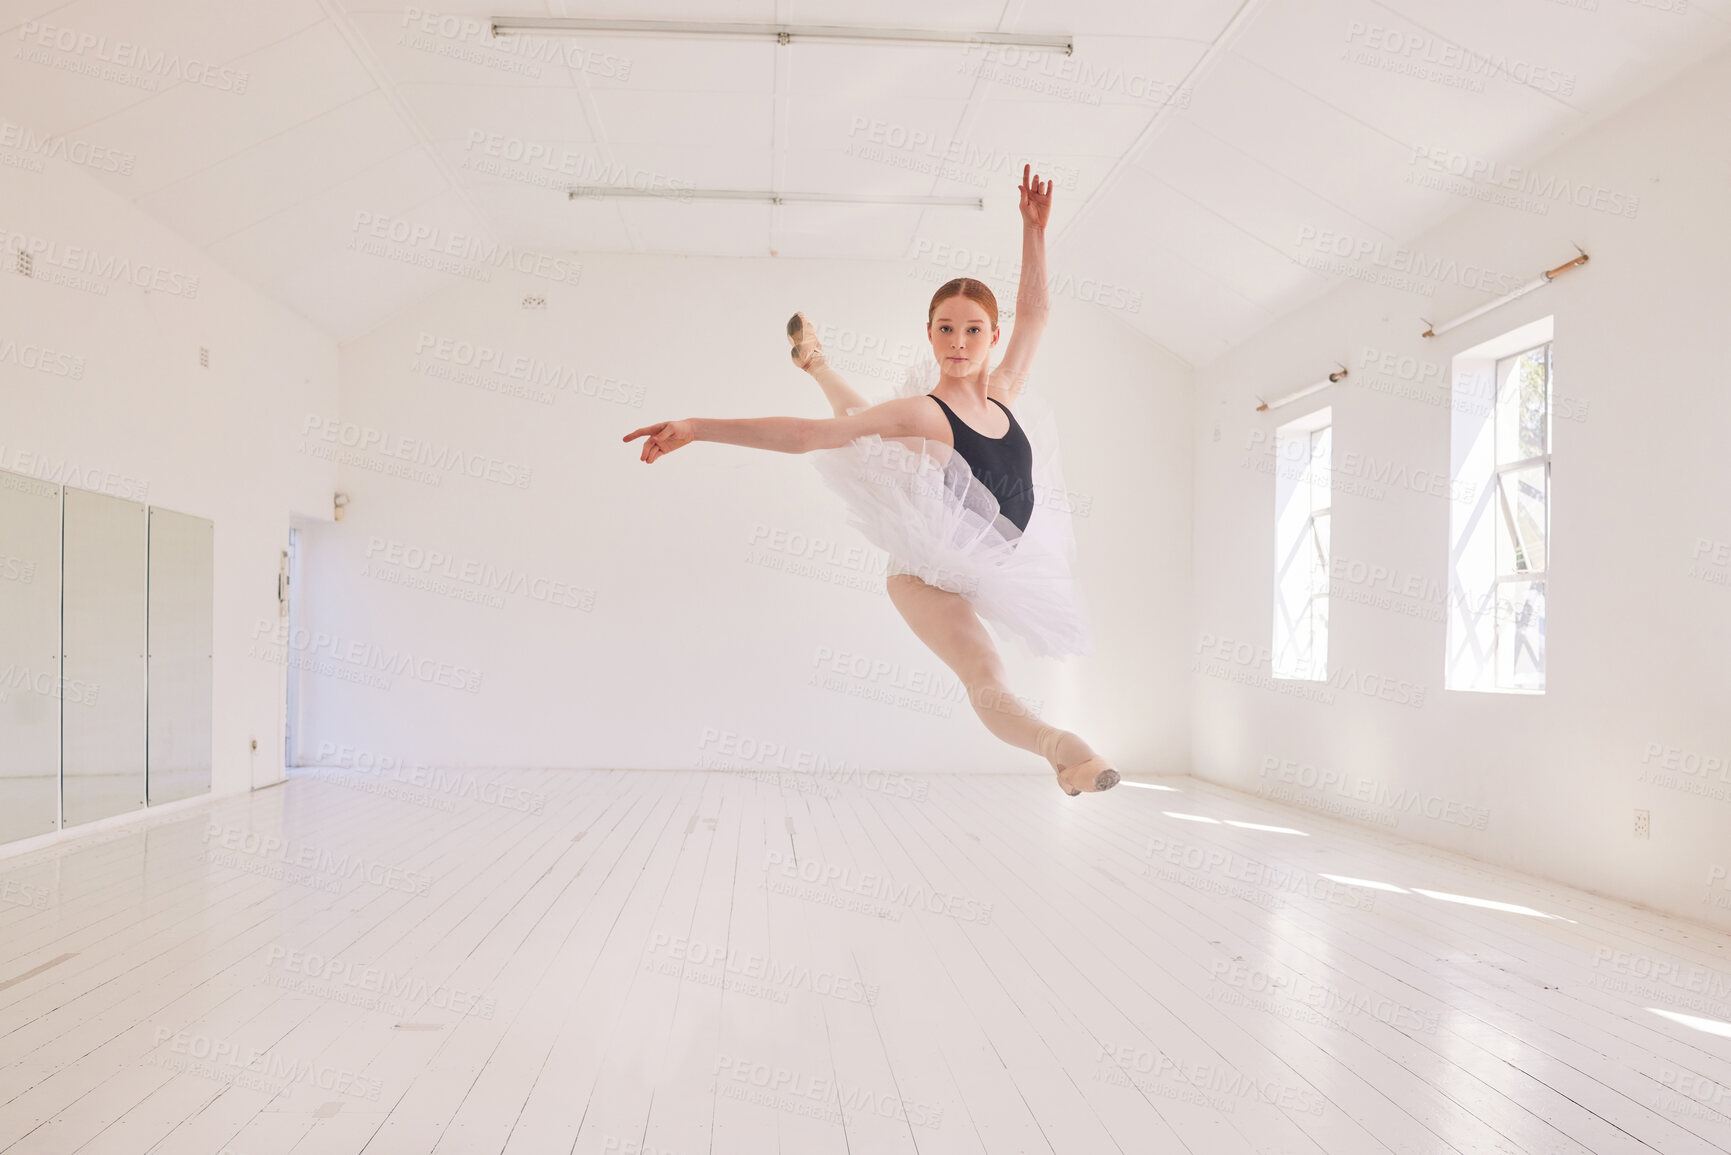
{"x":973,"y":290}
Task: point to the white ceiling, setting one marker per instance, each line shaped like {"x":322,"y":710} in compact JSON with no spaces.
{"x":1196,"y":206}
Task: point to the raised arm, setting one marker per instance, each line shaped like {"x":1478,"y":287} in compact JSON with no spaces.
{"x":902,"y":417}
{"x":1032,"y":306}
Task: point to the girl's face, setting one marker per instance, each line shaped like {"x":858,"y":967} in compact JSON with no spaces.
{"x":962,"y":337}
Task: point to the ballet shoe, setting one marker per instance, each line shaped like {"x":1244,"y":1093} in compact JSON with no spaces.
{"x":802,"y":335}
{"x":1090,"y":775}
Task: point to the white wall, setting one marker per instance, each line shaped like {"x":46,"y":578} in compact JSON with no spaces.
{"x":125,"y":409}
{"x":1637,"y":636}
{"x":691,"y":640}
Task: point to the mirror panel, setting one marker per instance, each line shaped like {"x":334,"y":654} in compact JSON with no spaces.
{"x":103,"y":630}
{"x":181,"y":566}
{"x":29,"y":657}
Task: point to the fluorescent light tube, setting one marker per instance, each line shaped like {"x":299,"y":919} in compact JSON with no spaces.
{"x":780,"y":33}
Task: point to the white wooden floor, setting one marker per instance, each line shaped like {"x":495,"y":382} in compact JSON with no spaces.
{"x":687,"y":962}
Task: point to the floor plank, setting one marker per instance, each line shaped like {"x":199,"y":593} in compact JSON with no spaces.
{"x":709,"y":962}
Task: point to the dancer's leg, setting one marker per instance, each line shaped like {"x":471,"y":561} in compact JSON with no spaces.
{"x":947,"y":624}
{"x":808,"y":355}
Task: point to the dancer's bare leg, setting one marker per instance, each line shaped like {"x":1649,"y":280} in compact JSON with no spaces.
{"x":808,"y":355}
{"x":947,"y":624}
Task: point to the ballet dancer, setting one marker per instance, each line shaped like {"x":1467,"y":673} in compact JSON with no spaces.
{"x":946,"y":480}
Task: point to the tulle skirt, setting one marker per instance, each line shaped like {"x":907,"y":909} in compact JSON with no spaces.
{"x":919,"y":502}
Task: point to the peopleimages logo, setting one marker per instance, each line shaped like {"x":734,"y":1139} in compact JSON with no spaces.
{"x":1232,"y":1085}
{"x":937,"y":261}
{"x":1415,"y":263}
{"x":771,"y":759}
{"x":1269,"y":880}
{"x":881,"y":887}
{"x":1396,"y":800}
{"x":830,"y":1100}
{"x":1425,"y":52}
{"x":460,"y":784}
{"x":152,"y":64}
{"x":19,"y":678}
{"x":1245,"y":663}
{"x":1040,"y":69}
{"x":555,"y":166}
{"x":224,"y":1061}
{"x":926,"y":151}
{"x":433,"y":241}
{"x":1358,"y":473}
{"x":23,"y":894}
{"x":29,"y":355}
{"x":1658,"y":972}
{"x":759,"y":967}
{"x":48,"y":472}
{"x":439,"y":458}
{"x":534,"y":372}
{"x":364,"y":655}
{"x":342,"y":979}
{"x":48,"y":254}
{"x":1541,"y":186}
{"x":58,"y":146}
{"x":481,"y":575}
{"x":471,"y":39}
{"x":1325,"y":998}
{"x":285,"y":853}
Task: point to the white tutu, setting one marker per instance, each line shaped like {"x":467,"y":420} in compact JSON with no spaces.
{"x":919,"y":502}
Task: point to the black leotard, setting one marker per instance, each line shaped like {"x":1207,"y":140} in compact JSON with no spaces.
{"x":1004,"y":465}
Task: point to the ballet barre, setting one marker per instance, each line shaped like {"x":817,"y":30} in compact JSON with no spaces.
{"x":1264,"y":406}
{"x":1537,"y":282}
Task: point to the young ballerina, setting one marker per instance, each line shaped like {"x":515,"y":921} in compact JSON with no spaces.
{"x":946,"y":480}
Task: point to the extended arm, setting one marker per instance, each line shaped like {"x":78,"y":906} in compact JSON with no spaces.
{"x":1032,"y":305}
{"x":898,"y":418}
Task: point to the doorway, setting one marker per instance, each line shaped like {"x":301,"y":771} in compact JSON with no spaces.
{"x":290,"y":611}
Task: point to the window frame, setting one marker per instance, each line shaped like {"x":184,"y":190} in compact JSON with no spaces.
{"x":1510,"y":523}
{"x":1315,"y":479}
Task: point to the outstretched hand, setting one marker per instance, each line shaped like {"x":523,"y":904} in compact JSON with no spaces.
{"x":1036,"y":203}
{"x":664,"y":438}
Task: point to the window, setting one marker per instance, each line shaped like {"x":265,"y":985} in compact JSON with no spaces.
{"x":1523,"y":490}
{"x":1500,"y":524}
{"x":1303,"y":457}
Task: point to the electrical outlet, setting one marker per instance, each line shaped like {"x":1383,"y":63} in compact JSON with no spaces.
{"x":1643,"y":824}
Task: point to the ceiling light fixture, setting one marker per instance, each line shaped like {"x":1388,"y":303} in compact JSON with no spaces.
{"x":780,"y":33}
{"x":588,"y":192}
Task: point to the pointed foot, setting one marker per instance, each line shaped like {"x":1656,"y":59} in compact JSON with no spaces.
{"x":802,"y":335}
{"x":1087,"y":777}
